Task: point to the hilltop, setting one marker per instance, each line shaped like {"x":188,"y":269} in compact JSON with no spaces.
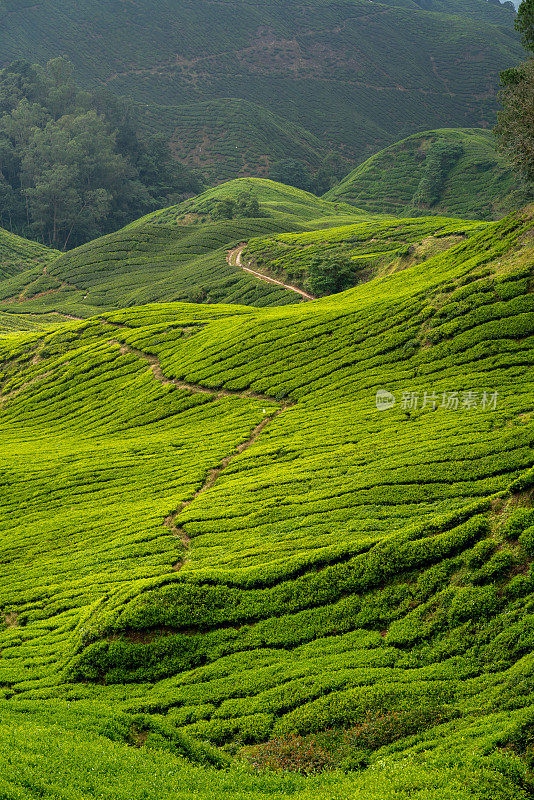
{"x":385,"y":71}
{"x":212,"y":538}
{"x":450,"y":171}
{"x":177,"y":253}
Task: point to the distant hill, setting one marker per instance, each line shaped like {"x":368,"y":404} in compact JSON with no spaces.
{"x":447,"y":171}
{"x":354,"y":74}
{"x":229,"y":138}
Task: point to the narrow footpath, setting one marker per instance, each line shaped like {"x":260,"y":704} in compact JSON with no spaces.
{"x":171,"y":521}
{"x":235,"y":259}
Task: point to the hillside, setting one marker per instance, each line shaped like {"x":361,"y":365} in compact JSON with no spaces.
{"x":178,"y":253}
{"x":372,"y":248}
{"x":18,"y":254}
{"x":449,"y":171}
{"x":18,"y":259}
{"x":356,"y":77}
{"x":213,"y":538}
{"x":284,"y":204}
{"x":230,"y":138}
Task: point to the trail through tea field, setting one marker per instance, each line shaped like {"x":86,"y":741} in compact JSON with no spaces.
{"x":235,"y":260}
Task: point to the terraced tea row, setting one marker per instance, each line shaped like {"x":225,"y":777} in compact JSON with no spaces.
{"x":345,"y":564}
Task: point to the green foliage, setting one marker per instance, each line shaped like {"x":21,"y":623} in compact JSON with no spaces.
{"x":525,"y":23}
{"x":449,"y":171}
{"x":241,"y":86}
{"x":187,"y":559}
{"x":514,"y":128}
{"x":292,"y":173}
{"x":441,"y":158}
{"x":332,"y":274}
{"x":244,"y":205}
{"x":72,"y":164}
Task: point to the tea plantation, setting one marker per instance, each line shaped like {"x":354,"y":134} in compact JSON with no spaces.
{"x":354,"y":76}
{"x":178,"y":253}
{"x":372,"y":247}
{"x":231,"y":137}
{"x":450,"y":171}
{"x":219,"y":555}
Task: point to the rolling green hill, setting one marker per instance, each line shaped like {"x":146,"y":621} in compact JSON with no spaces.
{"x":218,"y":553}
{"x":178,"y":253}
{"x":447,"y":171}
{"x":284,"y":204}
{"x":355,"y":76}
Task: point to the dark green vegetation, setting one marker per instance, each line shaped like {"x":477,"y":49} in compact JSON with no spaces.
{"x":209,"y":533}
{"x":515,"y":128}
{"x":351,"y":75}
{"x":448,"y":171}
{"x":231,"y":138}
{"x":73,"y":165}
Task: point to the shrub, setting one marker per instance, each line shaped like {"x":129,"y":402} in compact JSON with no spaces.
{"x":518,"y":521}
{"x":526,"y":540}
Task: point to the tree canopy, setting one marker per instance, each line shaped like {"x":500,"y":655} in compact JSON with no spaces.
{"x":330,"y":274}
{"x":515,"y":128}
{"x":73,"y":164}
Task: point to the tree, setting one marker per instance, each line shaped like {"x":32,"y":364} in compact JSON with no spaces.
{"x":73,"y":164}
{"x":292,"y":173}
{"x":525,"y":23}
{"x":224,"y":209}
{"x":515,"y":127}
{"x":70,"y":173}
{"x":330,"y":274}
{"x":247,"y":205}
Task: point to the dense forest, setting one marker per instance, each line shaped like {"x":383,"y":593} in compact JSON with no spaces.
{"x":74,"y":164}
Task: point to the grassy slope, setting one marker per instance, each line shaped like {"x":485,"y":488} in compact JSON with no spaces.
{"x":479,"y":185}
{"x":178,"y":253}
{"x":229,"y":138}
{"x":348,"y":562}
{"x":385,"y":72}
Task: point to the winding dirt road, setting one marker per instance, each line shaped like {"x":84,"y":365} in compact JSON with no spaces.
{"x":235,"y":260}
{"x":171,"y":521}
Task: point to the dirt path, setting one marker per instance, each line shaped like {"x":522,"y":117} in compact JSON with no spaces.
{"x":213,"y":474}
{"x":235,"y":260}
{"x":195,"y":388}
